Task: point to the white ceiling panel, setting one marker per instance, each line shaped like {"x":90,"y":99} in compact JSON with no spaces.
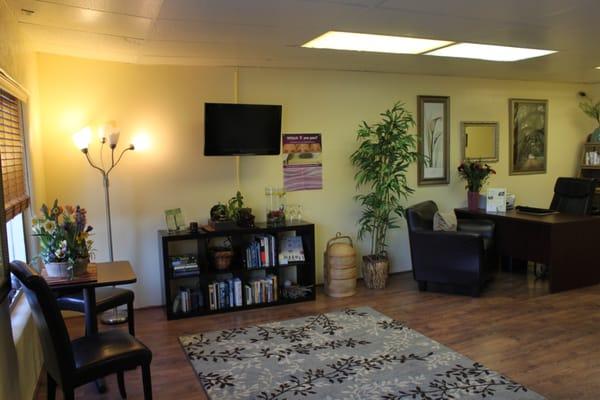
{"x":359,"y":3}
{"x":180,"y":30}
{"x":526,"y":11}
{"x":270,"y":32}
{"x":86,"y":20}
{"x":139,"y":8}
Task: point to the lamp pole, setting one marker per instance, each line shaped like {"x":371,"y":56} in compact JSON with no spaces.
{"x":82,"y":140}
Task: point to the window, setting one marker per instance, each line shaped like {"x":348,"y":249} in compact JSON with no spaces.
{"x":12,"y":148}
{"x":15,"y":237}
{"x":12,"y":163}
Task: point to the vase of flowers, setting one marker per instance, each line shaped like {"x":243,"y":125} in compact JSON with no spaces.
{"x":65,"y":246}
{"x":476,"y":174}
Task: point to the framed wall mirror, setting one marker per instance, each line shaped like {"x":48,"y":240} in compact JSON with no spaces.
{"x":480,"y":141}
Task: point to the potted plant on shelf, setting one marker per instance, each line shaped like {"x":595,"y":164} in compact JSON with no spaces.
{"x":64,"y":239}
{"x":592,"y":110}
{"x":385,"y":152}
{"x":476,"y":174}
{"x":232,"y":214}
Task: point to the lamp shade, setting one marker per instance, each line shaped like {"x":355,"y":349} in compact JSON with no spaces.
{"x":82,"y":138}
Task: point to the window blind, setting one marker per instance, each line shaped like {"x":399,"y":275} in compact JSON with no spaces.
{"x":12,"y":158}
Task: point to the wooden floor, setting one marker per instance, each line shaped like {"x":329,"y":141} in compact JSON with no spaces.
{"x":550,"y":343}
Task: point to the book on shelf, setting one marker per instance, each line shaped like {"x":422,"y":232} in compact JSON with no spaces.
{"x":260,"y":252}
{"x":291,"y":248}
{"x":225,"y":294}
{"x":183,"y":263}
{"x":188,"y":300}
{"x":262,"y":290}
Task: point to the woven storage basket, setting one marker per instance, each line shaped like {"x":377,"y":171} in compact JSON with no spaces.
{"x":340,"y":267}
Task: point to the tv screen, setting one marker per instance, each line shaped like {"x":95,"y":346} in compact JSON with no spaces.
{"x":238,"y":129}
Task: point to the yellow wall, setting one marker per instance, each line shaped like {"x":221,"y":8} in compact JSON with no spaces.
{"x":20,"y":63}
{"x":168,"y":103}
{"x":22,"y":344}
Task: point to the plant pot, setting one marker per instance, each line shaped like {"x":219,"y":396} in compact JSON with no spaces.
{"x":473,"y":200}
{"x":595,"y":135}
{"x":80,"y":267}
{"x":58,"y":270}
{"x":375,"y":271}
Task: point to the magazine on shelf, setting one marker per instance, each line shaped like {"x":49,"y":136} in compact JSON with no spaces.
{"x":290,"y":248}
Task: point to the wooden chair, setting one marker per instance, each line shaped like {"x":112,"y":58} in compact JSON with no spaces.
{"x":70,"y":364}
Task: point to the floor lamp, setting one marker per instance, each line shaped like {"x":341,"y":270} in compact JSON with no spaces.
{"x":82,"y":140}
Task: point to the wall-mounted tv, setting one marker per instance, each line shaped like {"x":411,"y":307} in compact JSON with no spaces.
{"x":241,"y":129}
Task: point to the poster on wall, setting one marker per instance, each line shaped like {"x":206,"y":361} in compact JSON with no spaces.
{"x":528,"y":136}
{"x":434,"y":139}
{"x":302,"y":165}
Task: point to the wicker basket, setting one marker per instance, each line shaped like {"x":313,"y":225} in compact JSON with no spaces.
{"x":222,"y":259}
{"x":375,"y":271}
{"x":340,"y":270}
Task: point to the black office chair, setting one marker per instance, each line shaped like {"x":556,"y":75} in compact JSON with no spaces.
{"x":70,"y":364}
{"x":107,"y":298}
{"x":573,"y":195}
{"x":465,"y":258}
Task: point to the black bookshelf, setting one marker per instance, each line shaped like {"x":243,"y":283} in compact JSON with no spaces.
{"x":198,"y":244}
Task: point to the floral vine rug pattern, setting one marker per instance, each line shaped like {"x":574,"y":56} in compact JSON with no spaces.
{"x":351,"y":354}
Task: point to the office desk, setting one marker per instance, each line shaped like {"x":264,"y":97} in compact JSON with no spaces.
{"x":568,"y":244}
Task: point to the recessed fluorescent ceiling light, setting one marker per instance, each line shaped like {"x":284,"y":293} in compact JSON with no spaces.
{"x":376,"y":43}
{"x":489,"y":52}
{"x":598,"y":67}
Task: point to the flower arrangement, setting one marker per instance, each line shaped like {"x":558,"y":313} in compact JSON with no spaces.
{"x":475,"y":173}
{"x":64,"y":234}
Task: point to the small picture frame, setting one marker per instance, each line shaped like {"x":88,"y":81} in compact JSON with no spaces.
{"x":174,"y":219}
{"x":433,"y":124}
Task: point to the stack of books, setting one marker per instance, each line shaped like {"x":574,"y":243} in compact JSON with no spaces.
{"x":261,"y":252}
{"x":264,"y":290}
{"x":188,"y":300}
{"x":225,"y":294}
{"x":183,"y":265}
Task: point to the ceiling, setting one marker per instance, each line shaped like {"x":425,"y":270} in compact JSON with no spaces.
{"x":269,"y":33}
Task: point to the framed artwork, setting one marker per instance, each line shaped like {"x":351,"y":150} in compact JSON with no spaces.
{"x":528,"y":121}
{"x":433,"y":124}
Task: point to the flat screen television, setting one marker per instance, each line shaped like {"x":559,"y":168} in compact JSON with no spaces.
{"x":241,"y":129}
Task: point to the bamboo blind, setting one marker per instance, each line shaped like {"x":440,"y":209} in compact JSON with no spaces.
{"x":12,"y":153}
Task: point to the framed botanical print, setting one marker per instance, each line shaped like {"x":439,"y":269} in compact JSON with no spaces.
{"x":433,"y":124}
{"x":528,"y":121}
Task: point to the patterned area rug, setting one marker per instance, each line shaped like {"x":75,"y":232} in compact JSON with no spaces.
{"x":351,"y":354}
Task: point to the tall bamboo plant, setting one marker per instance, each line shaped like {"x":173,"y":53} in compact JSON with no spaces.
{"x":385,"y":152}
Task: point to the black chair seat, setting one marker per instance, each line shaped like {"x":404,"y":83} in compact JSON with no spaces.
{"x":109,"y":352}
{"x":106,"y":299}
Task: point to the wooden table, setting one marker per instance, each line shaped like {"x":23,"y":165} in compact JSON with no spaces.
{"x":567,"y":243}
{"x":107,"y":274}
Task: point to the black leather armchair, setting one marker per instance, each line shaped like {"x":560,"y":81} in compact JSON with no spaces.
{"x":70,"y":364}
{"x":464,"y":258}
